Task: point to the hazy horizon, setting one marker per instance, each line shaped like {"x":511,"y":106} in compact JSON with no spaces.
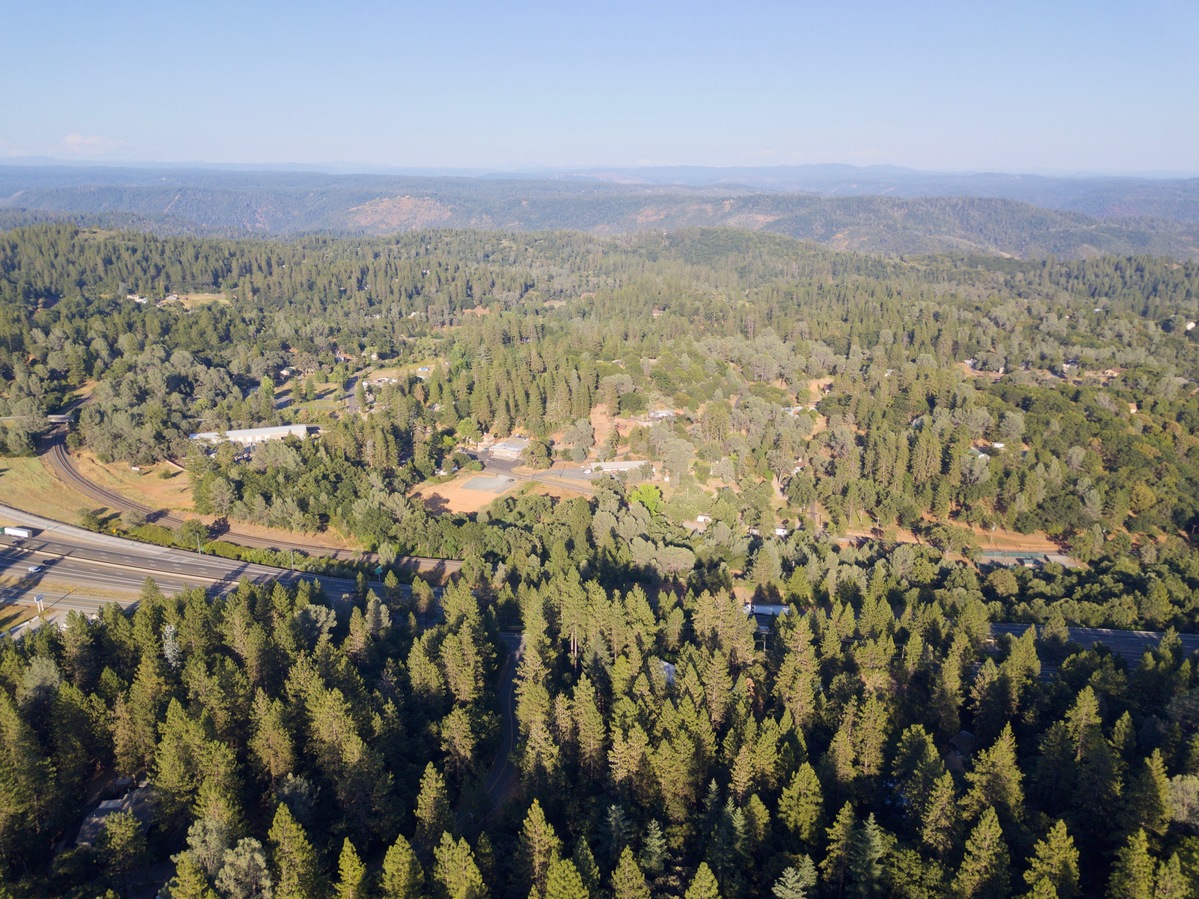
{"x":359,"y":168}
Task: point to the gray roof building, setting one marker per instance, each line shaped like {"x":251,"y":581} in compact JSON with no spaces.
{"x":254,"y":436}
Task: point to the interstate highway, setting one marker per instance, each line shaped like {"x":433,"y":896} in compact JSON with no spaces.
{"x":96,"y":566}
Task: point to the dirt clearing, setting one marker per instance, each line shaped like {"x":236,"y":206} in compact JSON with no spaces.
{"x":466,"y":493}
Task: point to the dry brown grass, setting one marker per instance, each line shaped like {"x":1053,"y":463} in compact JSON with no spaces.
{"x":193,"y":300}
{"x":13,"y":614}
{"x":972,"y":373}
{"x":27,"y":484}
{"x":1000,"y":539}
{"x":602,"y":423}
{"x":145,"y":487}
{"x":816,"y":388}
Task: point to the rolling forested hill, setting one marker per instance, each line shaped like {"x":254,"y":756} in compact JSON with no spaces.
{"x":976,"y":215}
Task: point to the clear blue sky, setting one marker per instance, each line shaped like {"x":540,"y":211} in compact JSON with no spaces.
{"x":1024,"y":85}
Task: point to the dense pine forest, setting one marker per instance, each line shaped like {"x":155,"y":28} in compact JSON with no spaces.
{"x":871,"y":740}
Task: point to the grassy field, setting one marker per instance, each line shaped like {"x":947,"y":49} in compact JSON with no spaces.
{"x":13,"y":614}
{"x":27,"y":484}
{"x":328,"y":398}
{"x":192,"y":300}
{"x":146,"y":486}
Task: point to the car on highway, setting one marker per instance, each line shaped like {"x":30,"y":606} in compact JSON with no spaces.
{"x":34,"y":569}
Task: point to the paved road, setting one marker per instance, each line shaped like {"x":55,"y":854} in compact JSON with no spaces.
{"x":1131,"y":645}
{"x":501,"y":779}
{"x":60,"y":462}
{"x":94,"y":567}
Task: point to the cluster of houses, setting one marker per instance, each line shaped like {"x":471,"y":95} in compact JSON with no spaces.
{"x":169,"y":300}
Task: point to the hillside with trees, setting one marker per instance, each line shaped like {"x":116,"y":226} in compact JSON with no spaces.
{"x":904,"y":213}
{"x":873,"y":739}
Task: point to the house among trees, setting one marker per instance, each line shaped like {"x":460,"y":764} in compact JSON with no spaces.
{"x":139,"y":802}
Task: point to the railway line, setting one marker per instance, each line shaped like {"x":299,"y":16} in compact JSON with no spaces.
{"x":60,"y":463}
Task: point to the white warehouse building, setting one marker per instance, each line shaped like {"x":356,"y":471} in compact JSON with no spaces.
{"x":254,"y":436}
{"x":510,"y":449}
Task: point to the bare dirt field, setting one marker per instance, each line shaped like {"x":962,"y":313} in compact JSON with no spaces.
{"x":555,"y":490}
{"x":1013,"y":540}
{"x":602,"y":423}
{"x":326,"y":539}
{"x":456,"y":496}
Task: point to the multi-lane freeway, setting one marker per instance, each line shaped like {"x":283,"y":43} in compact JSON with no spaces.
{"x":78,"y":569}
{"x":1131,"y":645}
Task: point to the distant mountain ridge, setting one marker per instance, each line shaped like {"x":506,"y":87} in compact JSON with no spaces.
{"x":881,"y":208}
{"x":1100,"y":196}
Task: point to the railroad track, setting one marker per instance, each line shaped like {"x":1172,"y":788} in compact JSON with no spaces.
{"x":60,"y":463}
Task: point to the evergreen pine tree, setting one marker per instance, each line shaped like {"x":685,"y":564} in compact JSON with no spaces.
{"x":984,"y":871}
{"x":564,"y":882}
{"x":1147,"y":799}
{"x":789,"y":886}
{"x":835,"y":866}
{"x":122,"y":844}
{"x":297,"y":873}
{"x":1055,"y":861}
{"x":351,"y":874}
{"x":433,"y":814}
{"x":189,"y":881}
{"x":1132,"y":874}
{"x":584,"y":863}
{"x":801,"y":804}
{"x":539,"y":846}
{"x":627,"y":880}
{"x":865,"y":859}
{"x":455,"y":870}
{"x":402,"y":875}
{"x":995,"y":782}
{"x":1171,"y":882}
{"x":653,"y":849}
{"x":939,"y":823}
{"x":703,"y":885}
